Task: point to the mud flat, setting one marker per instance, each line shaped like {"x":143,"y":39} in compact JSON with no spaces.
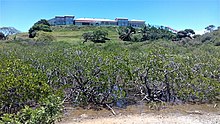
{"x":143,"y":114}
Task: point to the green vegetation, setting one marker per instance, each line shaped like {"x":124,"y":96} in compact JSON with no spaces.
{"x":186,"y":33}
{"x":37,"y":79}
{"x":41,"y":25}
{"x":210,"y":28}
{"x":42,"y":36}
{"x":146,"y":33}
{"x":97,"y":36}
{"x":125,"y":33}
{"x":2,"y":36}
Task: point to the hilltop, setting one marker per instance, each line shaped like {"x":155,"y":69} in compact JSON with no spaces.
{"x":73,"y":34}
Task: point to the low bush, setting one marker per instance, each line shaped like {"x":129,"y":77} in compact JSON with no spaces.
{"x":217,"y":44}
{"x":41,"y":25}
{"x":2,"y":36}
{"x":97,"y":36}
{"x":136,"y":38}
{"x":25,"y":95}
{"x":44,"y":37}
{"x":49,"y":110}
{"x":146,"y":33}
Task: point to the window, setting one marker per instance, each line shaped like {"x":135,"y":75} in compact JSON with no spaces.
{"x":85,"y":23}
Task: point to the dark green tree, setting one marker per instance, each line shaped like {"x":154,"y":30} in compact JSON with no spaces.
{"x":42,"y":21}
{"x":185,"y":33}
{"x":2,"y":36}
{"x":181,"y":34}
{"x":132,"y":29}
{"x":153,"y":33}
{"x":87,"y":36}
{"x":190,"y":31}
{"x":210,"y":28}
{"x":125,"y":33}
{"x":98,"y":36}
{"x":41,"y":25}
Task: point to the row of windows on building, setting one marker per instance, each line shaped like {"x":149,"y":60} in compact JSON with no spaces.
{"x":69,"y":20}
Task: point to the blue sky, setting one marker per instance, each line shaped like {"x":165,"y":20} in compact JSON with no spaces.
{"x":178,"y":14}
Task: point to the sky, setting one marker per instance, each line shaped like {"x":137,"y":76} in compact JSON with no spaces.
{"x":177,"y":14}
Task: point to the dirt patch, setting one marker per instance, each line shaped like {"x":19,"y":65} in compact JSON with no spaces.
{"x":143,"y":114}
{"x":152,"y":119}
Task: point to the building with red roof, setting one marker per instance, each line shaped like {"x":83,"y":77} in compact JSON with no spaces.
{"x":69,"y":20}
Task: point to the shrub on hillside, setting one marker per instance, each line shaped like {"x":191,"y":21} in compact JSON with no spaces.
{"x":136,"y":38}
{"x":154,"y":33}
{"x":44,"y":37}
{"x":98,"y":36}
{"x":48,"y":113}
{"x":217,"y":44}
{"x":196,"y":36}
{"x":146,"y":33}
{"x":43,"y":22}
{"x":187,"y":33}
{"x":26,"y":98}
{"x":207,"y":38}
{"x":20,"y":87}
{"x":41,"y":25}
{"x":125,"y":33}
{"x":2,"y":36}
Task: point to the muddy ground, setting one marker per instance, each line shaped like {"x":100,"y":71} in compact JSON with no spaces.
{"x":145,"y":114}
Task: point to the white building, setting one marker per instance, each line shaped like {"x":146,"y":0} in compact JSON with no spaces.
{"x":69,"y":20}
{"x":95,"y":22}
{"x":136,"y":23}
{"x":122,"y":21}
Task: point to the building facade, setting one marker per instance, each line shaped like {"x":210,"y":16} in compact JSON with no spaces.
{"x":62,"y":20}
{"x":136,"y":23}
{"x":69,"y":20}
{"x":122,"y":21}
{"x":95,"y":22}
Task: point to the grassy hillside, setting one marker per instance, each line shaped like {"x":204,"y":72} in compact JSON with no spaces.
{"x":115,"y":73}
{"x":210,"y":38}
